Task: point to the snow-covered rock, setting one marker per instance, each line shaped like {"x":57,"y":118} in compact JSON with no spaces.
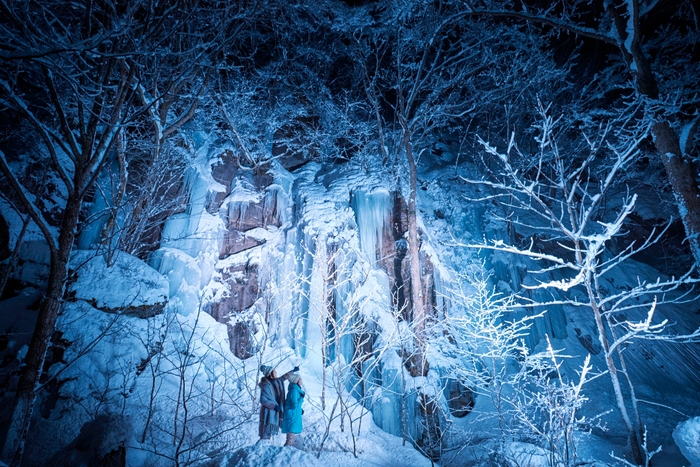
{"x":271,"y":456}
{"x":527,"y":455}
{"x":129,"y":286}
{"x":687,"y":437}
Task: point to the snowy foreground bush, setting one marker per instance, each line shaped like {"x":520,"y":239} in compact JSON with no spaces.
{"x":166,"y":390}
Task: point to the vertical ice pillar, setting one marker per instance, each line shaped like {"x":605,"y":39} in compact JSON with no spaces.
{"x":389,"y":415}
{"x":182,"y":230}
{"x":371,"y":212}
{"x":304,"y":252}
{"x":285,"y":291}
{"x":342,"y":294}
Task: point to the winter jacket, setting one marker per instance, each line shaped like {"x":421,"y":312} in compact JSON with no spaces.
{"x":291,"y":423}
{"x":272,"y":404}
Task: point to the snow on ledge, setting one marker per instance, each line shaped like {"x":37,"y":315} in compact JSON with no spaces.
{"x":129,"y":286}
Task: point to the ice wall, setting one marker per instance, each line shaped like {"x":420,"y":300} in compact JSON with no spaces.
{"x":195,"y":231}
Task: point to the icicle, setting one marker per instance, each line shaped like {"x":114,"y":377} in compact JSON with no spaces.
{"x":388,"y":415}
{"x":342,"y":298}
{"x":371,"y":211}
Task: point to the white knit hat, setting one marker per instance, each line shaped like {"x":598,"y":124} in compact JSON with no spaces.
{"x":266,"y":369}
{"x":293,"y":378}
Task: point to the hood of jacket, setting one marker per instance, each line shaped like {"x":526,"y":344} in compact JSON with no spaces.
{"x":264,"y":381}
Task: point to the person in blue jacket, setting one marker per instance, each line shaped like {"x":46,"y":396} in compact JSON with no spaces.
{"x":291,"y":421}
{"x":272,"y":401}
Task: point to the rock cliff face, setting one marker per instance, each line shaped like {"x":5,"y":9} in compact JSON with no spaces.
{"x":248,"y":209}
{"x":269,"y":220}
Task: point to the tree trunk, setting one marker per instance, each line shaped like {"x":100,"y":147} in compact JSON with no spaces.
{"x":681,"y":175}
{"x":679,"y":170}
{"x":632,"y":429}
{"x":43,"y":330}
{"x":413,"y":250}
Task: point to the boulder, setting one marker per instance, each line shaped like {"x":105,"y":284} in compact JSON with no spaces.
{"x":127,"y":285}
{"x":102,"y":442}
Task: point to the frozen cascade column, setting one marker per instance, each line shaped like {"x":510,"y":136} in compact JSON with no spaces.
{"x":312,"y":304}
{"x":304,"y":251}
{"x":282,"y":283}
{"x":282,"y":189}
{"x":190,"y":243}
{"x":390,"y":416}
{"x":344,"y":344}
{"x":194,"y":230}
{"x":284,"y":290}
{"x":371,"y":212}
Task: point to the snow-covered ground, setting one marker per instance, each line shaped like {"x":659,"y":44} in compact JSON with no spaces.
{"x":144,"y":370}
